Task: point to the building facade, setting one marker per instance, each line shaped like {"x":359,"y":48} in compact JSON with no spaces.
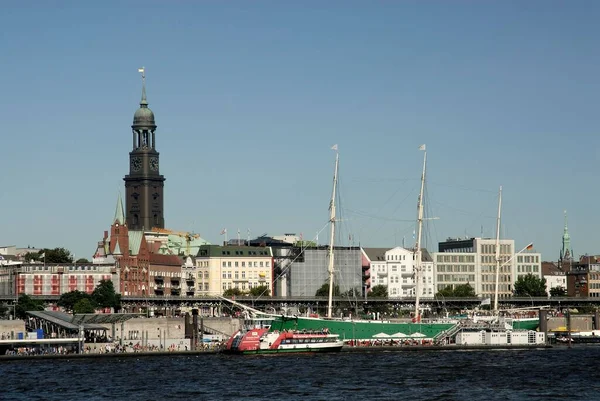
{"x":222,"y":268}
{"x":309,"y":271}
{"x":54,"y":278}
{"x":473,"y":261}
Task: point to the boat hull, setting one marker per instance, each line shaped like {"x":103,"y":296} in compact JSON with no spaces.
{"x":363,"y":329}
{"x":284,"y":351}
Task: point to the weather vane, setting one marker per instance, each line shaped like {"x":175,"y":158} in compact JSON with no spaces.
{"x":143,"y":71}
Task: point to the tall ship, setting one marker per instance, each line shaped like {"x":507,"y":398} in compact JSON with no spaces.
{"x":356,"y":330}
{"x":501,"y":329}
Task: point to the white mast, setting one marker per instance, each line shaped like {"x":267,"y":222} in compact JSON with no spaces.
{"x":419,"y":232}
{"x":497,"y":252}
{"x":332,"y":232}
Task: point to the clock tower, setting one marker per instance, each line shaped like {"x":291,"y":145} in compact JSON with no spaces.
{"x":144,"y":202}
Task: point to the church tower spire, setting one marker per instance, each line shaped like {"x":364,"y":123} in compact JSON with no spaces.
{"x":119,"y":213}
{"x":144,"y":185}
{"x":566,"y":252}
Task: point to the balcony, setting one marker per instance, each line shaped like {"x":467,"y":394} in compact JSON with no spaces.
{"x":408,"y":285}
{"x":406,"y":274}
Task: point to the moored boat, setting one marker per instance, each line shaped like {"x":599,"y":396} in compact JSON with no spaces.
{"x":269,"y":341}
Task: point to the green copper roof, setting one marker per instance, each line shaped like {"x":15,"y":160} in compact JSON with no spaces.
{"x":143,"y":117}
{"x":119,"y":213}
{"x":179,"y":245}
{"x":135,"y":241}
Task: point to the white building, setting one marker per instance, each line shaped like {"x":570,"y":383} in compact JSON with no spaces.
{"x":555,"y":277}
{"x":396,"y":271}
{"x":473,"y":261}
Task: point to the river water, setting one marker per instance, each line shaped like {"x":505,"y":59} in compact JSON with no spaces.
{"x":548,"y":374}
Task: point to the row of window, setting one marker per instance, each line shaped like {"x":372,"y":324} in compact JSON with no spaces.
{"x":461,"y":278}
{"x":456,"y":268}
{"x":250,"y":264}
{"x":527,"y":269}
{"x":242,"y":286}
{"x":456,"y":258}
{"x":236,"y":275}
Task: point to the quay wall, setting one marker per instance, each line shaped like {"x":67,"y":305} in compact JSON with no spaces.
{"x":10,"y":328}
{"x":578,"y":323}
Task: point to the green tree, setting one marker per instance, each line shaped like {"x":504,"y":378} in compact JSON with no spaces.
{"x":460,"y":291}
{"x":558,"y":292}
{"x":530,"y":285}
{"x":324,"y":291}
{"x":351,"y":293}
{"x":56,"y":255}
{"x":378,"y":291}
{"x":31,"y":256}
{"x":26,"y":303}
{"x":232,"y":292}
{"x":69,"y":299}
{"x":84,"y":305}
{"x":105,"y":296}
{"x":3,"y":310}
{"x":262,"y":290}
{"x":82,"y":260}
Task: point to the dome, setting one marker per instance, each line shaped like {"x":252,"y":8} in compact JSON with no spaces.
{"x":144,"y":117}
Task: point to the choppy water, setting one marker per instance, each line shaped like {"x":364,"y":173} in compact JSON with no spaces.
{"x":551,"y":374}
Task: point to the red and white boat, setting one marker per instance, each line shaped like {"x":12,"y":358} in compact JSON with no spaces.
{"x":261,"y":339}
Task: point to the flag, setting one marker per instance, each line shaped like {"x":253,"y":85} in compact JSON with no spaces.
{"x":43,"y":255}
{"x":334,"y":147}
{"x":223,"y":231}
{"x":486,"y":301}
{"x":422,"y":147}
{"x":141,"y":70}
{"x":529,"y":247}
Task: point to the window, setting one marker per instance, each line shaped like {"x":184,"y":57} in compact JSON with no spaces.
{"x":224,"y":274}
{"x":228,"y":274}
{"x":236,"y":264}
{"x":205,"y":274}
{"x":243,"y":264}
{"x":228,"y":264}
{"x":224,"y":264}
{"x":205,"y":286}
{"x":243,"y":274}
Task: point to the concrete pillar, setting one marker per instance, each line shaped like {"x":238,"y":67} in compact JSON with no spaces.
{"x":194,"y":342}
{"x":543,"y":316}
{"x":597,"y":319}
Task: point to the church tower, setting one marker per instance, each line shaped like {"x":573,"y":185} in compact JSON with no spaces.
{"x":144,"y":201}
{"x":566,"y":252}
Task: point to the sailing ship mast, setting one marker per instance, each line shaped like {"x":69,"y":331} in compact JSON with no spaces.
{"x":418,"y":245}
{"x":332,"y":233}
{"x":497,"y":251}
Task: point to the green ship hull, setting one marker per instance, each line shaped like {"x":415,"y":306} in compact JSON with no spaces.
{"x":526,"y":324}
{"x":363,"y":329}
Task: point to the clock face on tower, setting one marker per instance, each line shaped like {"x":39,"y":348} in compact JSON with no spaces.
{"x":136,"y":164}
{"x":154,"y":163}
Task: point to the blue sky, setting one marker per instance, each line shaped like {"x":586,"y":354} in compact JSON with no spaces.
{"x":250,"y":96}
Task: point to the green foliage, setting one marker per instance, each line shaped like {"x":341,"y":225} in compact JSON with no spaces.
{"x":3,"y":310}
{"x":262,"y":290}
{"x":84,"y":305}
{"x":378,"y":291}
{"x":82,"y":260}
{"x":231,"y":292}
{"x":31,"y":256}
{"x":56,"y":255}
{"x":105,"y":296}
{"x":558,"y":292}
{"x":69,"y":299}
{"x":26,"y":303}
{"x":324,"y":291}
{"x":460,"y":291}
{"x":351,"y":293}
{"x":530,"y":285}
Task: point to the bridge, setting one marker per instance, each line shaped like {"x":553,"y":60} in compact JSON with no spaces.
{"x":320,"y":302}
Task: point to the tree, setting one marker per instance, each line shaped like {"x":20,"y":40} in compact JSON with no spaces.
{"x":530,"y":285}
{"x":464,"y":291}
{"x":261,"y":290}
{"x":82,"y":260}
{"x":232,"y":292}
{"x":84,"y":305}
{"x":56,"y":255}
{"x":105,"y":296}
{"x":460,"y":291}
{"x":31,"y":256}
{"x":68,"y":300}
{"x":324,"y":291}
{"x":26,"y":303}
{"x":378,"y":291}
{"x":558,"y":292}
{"x":3,"y":310}
{"x":351,"y":293}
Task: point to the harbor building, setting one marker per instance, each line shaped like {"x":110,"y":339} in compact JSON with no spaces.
{"x":583,"y":278}
{"x":395,"y":269}
{"x":309,"y":270}
{"x":473,"y":261}
{"x":221,"y":268}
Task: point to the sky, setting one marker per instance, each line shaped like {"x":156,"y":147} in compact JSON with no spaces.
{"x":250,"y":96}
